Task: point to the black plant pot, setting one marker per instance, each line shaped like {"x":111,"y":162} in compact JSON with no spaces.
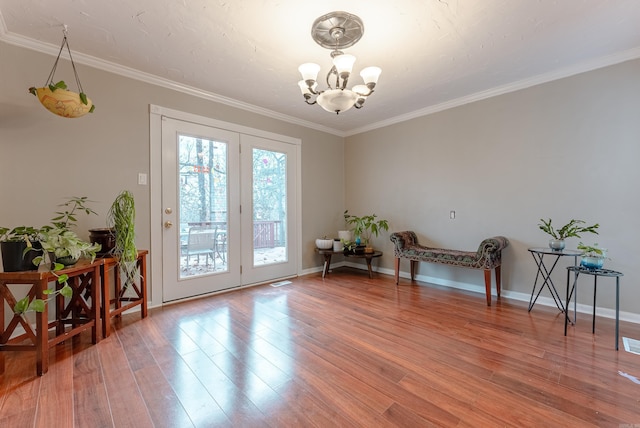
{"x":13,"y":259}
{"x":358,"y":249}
{"x":106,"y":237}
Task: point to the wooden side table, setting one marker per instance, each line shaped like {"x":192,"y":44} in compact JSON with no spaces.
{"x":78,"y":312}
{"x":328,"y":253}
{"x":121,"y":302}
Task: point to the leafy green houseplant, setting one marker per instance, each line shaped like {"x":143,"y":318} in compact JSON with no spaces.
{"x":572,"y":229}
{"x":122,"y":218}
{"x":15,"y":245}
{"x":593,"y":256}
{"x":364,"y":228}
{"x":60,"y":240}
{"x":57,"y":242}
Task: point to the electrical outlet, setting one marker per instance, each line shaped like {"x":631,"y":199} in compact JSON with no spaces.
{"x":452,"y":214}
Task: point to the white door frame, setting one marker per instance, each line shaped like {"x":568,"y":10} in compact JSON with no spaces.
{"x":155,"y":183}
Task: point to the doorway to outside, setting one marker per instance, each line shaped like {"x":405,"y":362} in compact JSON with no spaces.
{"x":228,"y":205}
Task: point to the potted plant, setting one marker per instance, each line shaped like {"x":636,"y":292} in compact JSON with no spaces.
{"x":60,"y":242}
{"x":58,"y":100}
{"x":572,"y":229}
{"x":122,"y":219}
{"x":15,"y":245}
{"x":324,"y":243}
{"x":593,"y":256}
{"x":66,"y":246}
{"x":365,"y":227}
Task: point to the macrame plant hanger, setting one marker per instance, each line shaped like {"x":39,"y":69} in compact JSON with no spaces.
{"x":55,"y":96}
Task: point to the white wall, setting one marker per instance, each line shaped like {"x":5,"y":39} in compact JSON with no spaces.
{"x":566,"y":149}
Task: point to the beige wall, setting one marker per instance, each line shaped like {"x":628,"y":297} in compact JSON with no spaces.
{"x":566,"y":149}
{"x":45,"y":158}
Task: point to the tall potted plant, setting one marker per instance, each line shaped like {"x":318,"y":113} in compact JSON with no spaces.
{"x":122,"y":218}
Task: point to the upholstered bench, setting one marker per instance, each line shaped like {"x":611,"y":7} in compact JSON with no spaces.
{"x":488,"y":257}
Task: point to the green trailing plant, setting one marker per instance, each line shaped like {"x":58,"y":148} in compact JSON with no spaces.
{"x":572,"y":229}
{"x":366,"y":226}
{"x":23,"y":305}
{"x":60,"y":240}
{"x":64,"y":243}
{"x":57,"y":239}
{"x":122,"y":218}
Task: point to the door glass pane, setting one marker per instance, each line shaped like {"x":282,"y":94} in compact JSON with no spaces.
{"x":269,"y":207}
{"x":203,"y":193}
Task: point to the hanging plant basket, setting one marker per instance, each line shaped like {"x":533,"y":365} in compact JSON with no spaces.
{"x":63,"y":103}
{"x":56,"y":98}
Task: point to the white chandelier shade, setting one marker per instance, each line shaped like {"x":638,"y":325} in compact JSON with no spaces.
{"x":337,"y":30}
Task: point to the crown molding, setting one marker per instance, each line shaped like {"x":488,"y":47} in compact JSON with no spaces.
{"x":505,"y":89}
{"x":131,"y":73}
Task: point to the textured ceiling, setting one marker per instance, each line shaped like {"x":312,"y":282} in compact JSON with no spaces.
{"x":433,"y":54}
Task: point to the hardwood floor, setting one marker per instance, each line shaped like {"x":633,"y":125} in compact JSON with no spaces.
{"x":343,"y":351}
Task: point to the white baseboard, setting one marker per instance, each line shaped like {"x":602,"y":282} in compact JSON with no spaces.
{"x":515,"y":295}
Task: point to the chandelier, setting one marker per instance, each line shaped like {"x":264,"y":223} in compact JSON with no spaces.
{"x":336,"y":31}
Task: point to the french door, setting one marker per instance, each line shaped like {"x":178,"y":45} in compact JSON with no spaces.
{"x":229,"y":209}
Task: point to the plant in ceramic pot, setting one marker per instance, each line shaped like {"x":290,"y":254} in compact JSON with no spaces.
{"x":365,"y":227}
{"x":56,"y":98}
{"x":62,"y":244}
{"x":66,"y":246}
{"x":593,"y":256}
{"x":15,"y":245}
{"x":324,"y":243}
{"x":572,"y":229}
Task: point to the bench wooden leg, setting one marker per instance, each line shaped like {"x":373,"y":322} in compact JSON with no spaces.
{"x":487,"y":285}
{"x":414,"y":263}
{"x":397,"y":266}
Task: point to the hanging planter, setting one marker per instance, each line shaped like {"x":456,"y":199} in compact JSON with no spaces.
{"x":56,"y":98}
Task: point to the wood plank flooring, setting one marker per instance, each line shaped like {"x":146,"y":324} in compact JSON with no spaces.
{"x":346,"y":351}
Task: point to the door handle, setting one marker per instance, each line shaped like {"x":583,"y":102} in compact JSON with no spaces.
{"x":168,"y":224}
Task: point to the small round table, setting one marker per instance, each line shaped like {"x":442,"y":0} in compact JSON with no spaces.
{"x":577,"y":270}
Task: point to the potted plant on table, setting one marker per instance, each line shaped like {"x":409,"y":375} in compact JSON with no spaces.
{"x":15,"y":245}
{"x":572,"y":229}
{"x":60,"y":241}
{"x":122,"y":219}
{"x":363,"y":229}
{"x":593,"y":256}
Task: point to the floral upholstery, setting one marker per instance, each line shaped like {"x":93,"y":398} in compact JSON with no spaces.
{"x":487,"y":257}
